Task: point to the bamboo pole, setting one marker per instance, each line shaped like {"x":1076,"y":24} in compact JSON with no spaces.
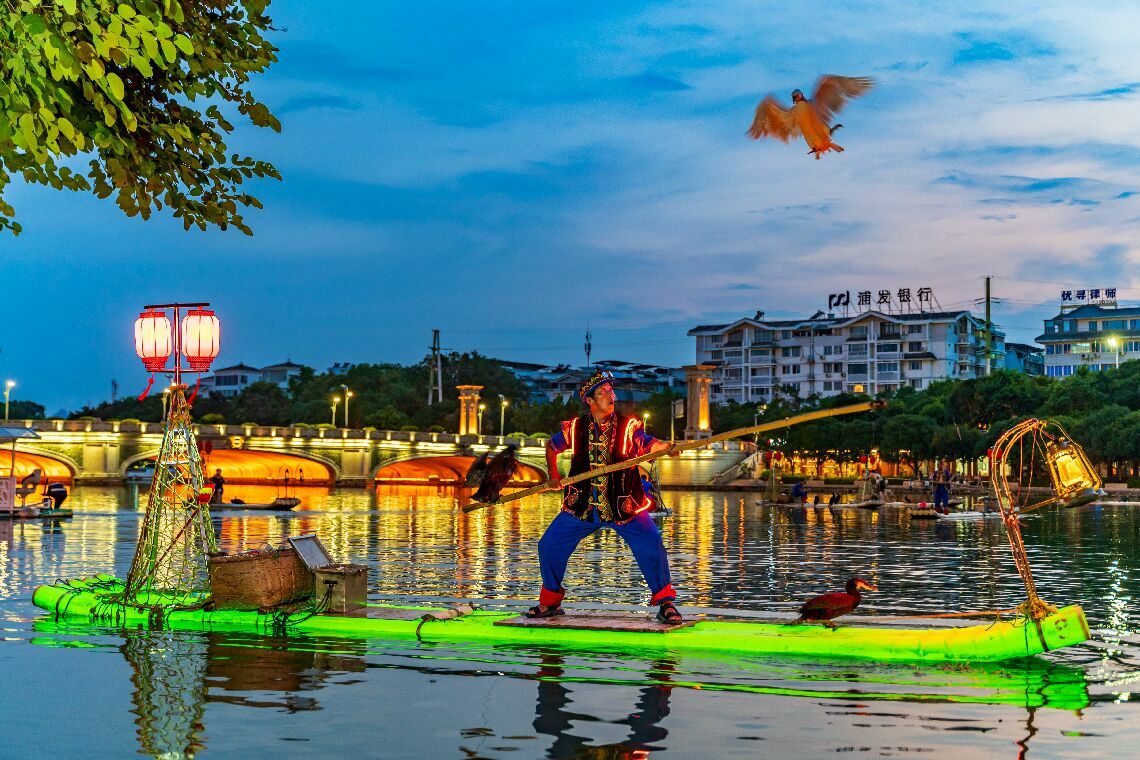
{"x":798,"y":419}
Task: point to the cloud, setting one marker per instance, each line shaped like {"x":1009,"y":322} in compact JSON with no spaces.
{"x":314,"y":102}
{"x":1111,"y":93}
{"x":1011,"y":47}
{"x":656,"y":83}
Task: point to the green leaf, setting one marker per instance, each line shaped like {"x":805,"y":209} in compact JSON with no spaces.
{"x":68,"y":6}
{"x":125,"y":11}
{"x":184,"y":44}
{"x":169,"y":52}
{"x":116,"y":85}
{"x":35,"y":23}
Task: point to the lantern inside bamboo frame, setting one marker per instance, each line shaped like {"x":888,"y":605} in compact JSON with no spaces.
{"x":153,"y":339}
{"x":1074,"y":480}
{"x":201,"y":338}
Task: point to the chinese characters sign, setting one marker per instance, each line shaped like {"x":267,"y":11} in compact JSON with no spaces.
{"x":1089,"y":295}
{"x":902,"y":299}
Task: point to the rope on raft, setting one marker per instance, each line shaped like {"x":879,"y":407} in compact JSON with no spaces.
{"x":450,"y":613}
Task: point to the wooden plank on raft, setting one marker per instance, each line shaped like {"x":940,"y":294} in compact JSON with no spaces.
{"x":596,"y":621}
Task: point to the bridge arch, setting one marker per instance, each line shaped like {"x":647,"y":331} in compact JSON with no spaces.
{"x":251,"y":466}
{"x":444,"y":470}
{"x":55,"y":467}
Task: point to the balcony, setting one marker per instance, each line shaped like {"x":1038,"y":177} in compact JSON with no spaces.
{"x":857,"y":378}
{"x":888,"y":354}
{"x":887,"y":377}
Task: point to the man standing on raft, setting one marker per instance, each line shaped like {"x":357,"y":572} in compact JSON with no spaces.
{"x":597,"y":438}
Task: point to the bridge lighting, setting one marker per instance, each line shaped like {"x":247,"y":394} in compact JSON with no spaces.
{"x":152,"y":339}
{"x":502,"y":415}
{"x":201,"y":338}
{"x":8,"y":386}
{"x":347,"y":395}
{"x":481,"y":408}
{"x":335,"y":404}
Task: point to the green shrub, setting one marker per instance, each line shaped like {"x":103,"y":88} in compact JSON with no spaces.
{"x":302,"y":426}
{"x":839,"y":481}
{"x":210,"y":419}
{"x":1134,"y":482}
{"x":136,"y":420}
{"x":251,"y":424}
{"x":325,"y":426}
{"x":436,"y":429}
{"x":410,"y":429}
{"x":516,"y":435}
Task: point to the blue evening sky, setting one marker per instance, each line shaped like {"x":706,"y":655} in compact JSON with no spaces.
{"x":508,"y":172}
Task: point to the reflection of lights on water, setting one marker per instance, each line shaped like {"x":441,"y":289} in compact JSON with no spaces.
{"x":1118,"y":602}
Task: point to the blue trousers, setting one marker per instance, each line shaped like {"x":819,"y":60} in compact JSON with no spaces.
{"x":941,"y":495}
{"x":566,"y":531}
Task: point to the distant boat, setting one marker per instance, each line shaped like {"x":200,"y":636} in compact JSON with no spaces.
{"x":280,"y":504}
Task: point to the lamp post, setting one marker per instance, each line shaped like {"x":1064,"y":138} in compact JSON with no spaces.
{"x":165,"y":400}
{"x":645,"y":421}
{"x":335,"y":404}
{"x":347,"y":396}
{"x":1115,"y":350}
{"x":481,"y":408}
{"x":502,"y":415}
{"x":8,"y":386}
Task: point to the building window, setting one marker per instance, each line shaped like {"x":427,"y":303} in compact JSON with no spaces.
{"x":888,"y":348}
{"x":790,"y":369}
{"x":857,"y":351}
{"x":917,"y":384}
{"x":785,"y":334}
{"x":859,"y":332}
{"x":912,"y":329}
{"x":857,"y":369}
{"x":916,"y":365}
{"x":1092,"y":325}
{"x":914,"y":345}
{"x":888,"y":366}
{"x":790,"y":351}
{"x":1114,"y":324}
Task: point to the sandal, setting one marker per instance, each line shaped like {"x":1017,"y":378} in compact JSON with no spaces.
{"x":538,"y":612}
{"x":668,"y":614}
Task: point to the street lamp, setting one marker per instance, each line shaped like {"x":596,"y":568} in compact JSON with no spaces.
{"x":165,"y":399}
{"x":8,"y":386}
{"x":645,"y":421}
{"x":1115,"y":352}
{"x":502,"y":415}
{"x":481,"y":408}
{"x":335,"y":404}
{"x":347,"y":396}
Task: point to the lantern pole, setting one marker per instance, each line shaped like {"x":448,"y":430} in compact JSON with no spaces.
{"x":169,"y":567}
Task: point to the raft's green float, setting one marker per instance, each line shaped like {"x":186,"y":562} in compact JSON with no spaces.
{"x":94,"y":599}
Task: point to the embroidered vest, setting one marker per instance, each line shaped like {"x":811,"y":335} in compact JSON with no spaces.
{"x":623,"y":489}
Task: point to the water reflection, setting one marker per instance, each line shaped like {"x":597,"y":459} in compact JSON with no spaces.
{"x":726,"y":553}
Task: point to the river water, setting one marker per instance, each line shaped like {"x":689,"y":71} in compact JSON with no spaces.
{"x":73,"y":690}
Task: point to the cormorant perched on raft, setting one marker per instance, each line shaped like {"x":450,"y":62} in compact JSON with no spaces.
{"x":830,"y":606}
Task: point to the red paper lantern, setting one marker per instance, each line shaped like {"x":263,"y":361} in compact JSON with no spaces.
{"x":152,"y":339}
{"x":201,"y":338}
{"x":777,"y":456}
{"x":862,"y":459}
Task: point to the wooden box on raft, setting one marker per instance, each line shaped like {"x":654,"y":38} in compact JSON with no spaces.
{"x":259,"y":579}
{"x":346,"y":586}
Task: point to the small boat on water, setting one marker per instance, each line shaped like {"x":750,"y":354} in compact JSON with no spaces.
{"x":280,"y":504}
{"x":980,"y":640}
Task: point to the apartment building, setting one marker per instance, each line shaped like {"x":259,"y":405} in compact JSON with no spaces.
{"x":757,"y":359}
{"x":1093,"y":335}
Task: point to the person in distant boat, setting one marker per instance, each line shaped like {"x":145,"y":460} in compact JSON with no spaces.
{"x":219,"y":487}
{"x":799,"y":492}
{"x":833,"y":500}
{"x":942,"y":478}
{"x":57,"y":492}
{"x":617,"y":501}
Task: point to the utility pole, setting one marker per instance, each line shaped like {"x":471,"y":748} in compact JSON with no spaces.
{"x":989,"y":328}
{"x":589,"y":344}
{"x":435,"y":371}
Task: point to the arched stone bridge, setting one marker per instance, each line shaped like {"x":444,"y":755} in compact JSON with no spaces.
{"x":95,"y":451}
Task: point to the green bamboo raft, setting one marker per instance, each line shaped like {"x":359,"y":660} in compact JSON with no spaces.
{"x":96,"y":599}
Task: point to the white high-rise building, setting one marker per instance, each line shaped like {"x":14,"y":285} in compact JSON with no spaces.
{"x":757,"y":359}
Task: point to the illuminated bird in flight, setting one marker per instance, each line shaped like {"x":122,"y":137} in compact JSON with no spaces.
{"x":810,"y":118}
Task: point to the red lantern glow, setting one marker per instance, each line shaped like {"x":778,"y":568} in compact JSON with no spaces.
{"x":201,"y":338}
{"x":152,"y":339}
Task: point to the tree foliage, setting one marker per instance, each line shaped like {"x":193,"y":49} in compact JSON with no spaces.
{"x":145,"y":90}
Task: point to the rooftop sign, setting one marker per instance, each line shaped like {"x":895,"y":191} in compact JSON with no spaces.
{"x":901,"y":300}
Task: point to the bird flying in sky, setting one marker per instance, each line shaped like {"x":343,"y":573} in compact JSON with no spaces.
{"x":810,"y":118}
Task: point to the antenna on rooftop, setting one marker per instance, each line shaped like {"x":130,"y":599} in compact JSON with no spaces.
{"x":435,"y":371}
{"x":589,"y":344}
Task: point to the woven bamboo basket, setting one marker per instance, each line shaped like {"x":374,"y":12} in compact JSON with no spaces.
{"x":259,"y":579}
